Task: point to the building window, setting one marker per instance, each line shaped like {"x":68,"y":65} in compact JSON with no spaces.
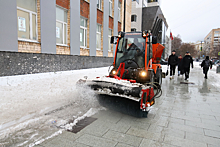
{"x":61,"y":26}
{"x":109,"y":39}
{"x":27,"y":19}
{"x":83,"y":32}
{"x":119,"y":11}
{"x":110,"y":7}
{"x":136,"y":1}
{"x":216,"y":34}
{"x":133,"y":18}
{"x":98,"y":37}
{"x":133,"y":30}
{"x":99,"y":4}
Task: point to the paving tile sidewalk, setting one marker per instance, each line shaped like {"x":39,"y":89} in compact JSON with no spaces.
{"x":185,"y":115}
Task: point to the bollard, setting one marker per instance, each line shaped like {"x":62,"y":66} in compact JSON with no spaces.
{"x":218,"y":69}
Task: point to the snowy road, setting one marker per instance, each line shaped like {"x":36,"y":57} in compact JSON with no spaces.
{"x":26,"y":99}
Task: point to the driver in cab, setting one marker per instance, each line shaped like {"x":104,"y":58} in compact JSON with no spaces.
{"x":133,"y":52}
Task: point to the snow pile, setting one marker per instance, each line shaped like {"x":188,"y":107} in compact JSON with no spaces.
{"x":25,"y":99}
{"x":116,"y":81}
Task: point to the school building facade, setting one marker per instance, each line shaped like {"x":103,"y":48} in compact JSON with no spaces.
{"x":69,"y":27}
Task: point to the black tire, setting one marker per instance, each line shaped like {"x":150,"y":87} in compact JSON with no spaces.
{"x":152,"y":77}
{"x":159,"y":77}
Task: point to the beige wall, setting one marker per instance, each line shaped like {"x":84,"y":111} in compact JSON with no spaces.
{"x":128,"y":16}
{"x":209,"y":43}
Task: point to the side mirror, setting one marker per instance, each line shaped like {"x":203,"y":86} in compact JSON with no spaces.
{"x":112,"y":41}
{"x":154,"y":40}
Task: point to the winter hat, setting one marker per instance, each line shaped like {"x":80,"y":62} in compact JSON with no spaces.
{"x":207,"y":57}
{"x":173,"y":51}
{"x":187,"y":52}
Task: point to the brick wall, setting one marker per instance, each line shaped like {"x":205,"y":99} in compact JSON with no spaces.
{"x":99,"y":53}
{"x":84,"y":12}
{"x":128,"y":15}
{"x":63,"y":3}
{"x":84,"y":52}
{"x":99,"y":16}
{"x":84,"y":8}
{"x":119,"y":27}
{"x":111,"y":23}
{"x":29,"y":47}
{"x":63,"y":50}
{"x":110,"y":54}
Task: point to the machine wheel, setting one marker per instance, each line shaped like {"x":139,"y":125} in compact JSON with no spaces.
{"x":159,"y":77}
{"x":152,"y":76}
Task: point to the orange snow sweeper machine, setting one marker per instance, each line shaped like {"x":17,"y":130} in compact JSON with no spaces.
{"x":136,"y":74}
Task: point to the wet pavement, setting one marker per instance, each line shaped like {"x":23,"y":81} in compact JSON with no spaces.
{"x":185,"y":115}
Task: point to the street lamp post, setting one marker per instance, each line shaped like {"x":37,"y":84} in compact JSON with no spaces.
{"x":124,"y":15}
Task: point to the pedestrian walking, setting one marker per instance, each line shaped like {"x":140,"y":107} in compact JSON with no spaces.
{"x":180,"y":68}
{"x":205,"y":65}
{"x":187,"y":60}
{"x":172,"y":62}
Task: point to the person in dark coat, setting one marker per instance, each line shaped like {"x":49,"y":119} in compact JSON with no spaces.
{"x":187,"y":60}
{"x":180,"y":68}
{"x":205,"y":65}
{"x":173,"y":62}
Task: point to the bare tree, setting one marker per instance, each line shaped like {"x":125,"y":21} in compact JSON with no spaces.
{"x":215,"y":51}
{"x":187,"y":47}
{"x":176,"y":43}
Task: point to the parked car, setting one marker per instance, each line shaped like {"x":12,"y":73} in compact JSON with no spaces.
{"x":216,"y":62}
{"x":163,"y":62}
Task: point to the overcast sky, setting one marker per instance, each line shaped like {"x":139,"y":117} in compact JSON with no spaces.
{"x":191,"y":19}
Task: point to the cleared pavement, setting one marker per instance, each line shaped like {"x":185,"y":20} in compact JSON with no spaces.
{"x":185,"y":115}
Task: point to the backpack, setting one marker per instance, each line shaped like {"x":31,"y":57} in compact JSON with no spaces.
{"x":207,"y":64}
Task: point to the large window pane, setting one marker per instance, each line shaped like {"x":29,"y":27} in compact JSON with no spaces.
{"x":99,"y":4}
{"x":85,"y":22}
{"x":81,"y":37}
{"x":110,"y":7}
{"x":83,"y":33}
{"x":34,"y":27}
{"x":98,"y":45}
{"x":23,"y":24}
{"x":109,"y":44}
{"x":59,"y":33}
{"x":61,"y":14}
{"x":119,"y":11}
{"x":109,"y":39}
{"x":65,"y":34}
{"x":82,"y":22}
{"x":27,"y":4}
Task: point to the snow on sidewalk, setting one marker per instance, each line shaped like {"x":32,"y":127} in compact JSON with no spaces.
{"x":25,"y":96}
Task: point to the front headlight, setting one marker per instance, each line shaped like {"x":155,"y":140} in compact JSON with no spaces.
{"x":114,"y":72}
{"x":143,"y":73}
